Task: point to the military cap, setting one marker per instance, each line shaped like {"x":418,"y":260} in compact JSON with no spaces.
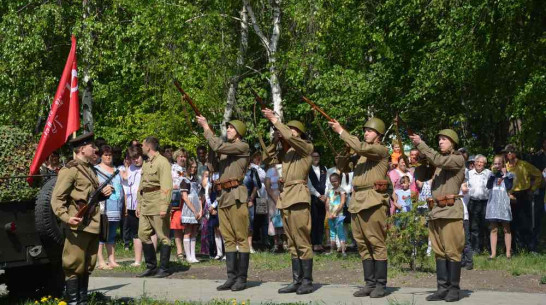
{"x":450,"y":133}
{"x":239,"y":126}
{"x":296,"y":124}
{"x":376,"y":124}
{"x":84,"y":139}
{"x":510,"y":148}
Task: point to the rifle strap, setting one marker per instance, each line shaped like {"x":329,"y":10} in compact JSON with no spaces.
{"x":86,"y":175}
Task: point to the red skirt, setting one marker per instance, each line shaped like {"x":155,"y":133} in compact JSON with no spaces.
{"x":176,"y":224}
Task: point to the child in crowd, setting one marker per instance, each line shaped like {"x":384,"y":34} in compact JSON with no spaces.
{"x":334,"y":213}
{"x":498,"y":210}
{"x":402,"y":197}
{"x":191,"y":211}
{"x":396,"y":153}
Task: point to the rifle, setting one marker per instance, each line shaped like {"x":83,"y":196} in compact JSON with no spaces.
{"x":187,"y":98}
{"x":317,"y":108}
{"x":285,"y":144}
{"x":85,"y":208}
{"x":324,"y":114}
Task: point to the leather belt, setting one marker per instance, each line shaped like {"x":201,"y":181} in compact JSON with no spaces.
{"x":362,"y":188}
{"x":228,"y":184}
{"x":442,"y":201}
{"x":149,"y":189}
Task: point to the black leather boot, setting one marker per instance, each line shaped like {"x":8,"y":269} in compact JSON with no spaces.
{"x":242,"y":272}
{"x":83,"y":284}
{"x":297,"y":275}
{"x":231,"y":266}
{"x":369,"y":277}
{"x":380,"y":279}
{"x":307,"y":281}
{"x":165,"y":256}
{"x":454,"y":271}
{"x":442,"y":280}
{"x":151,"y":260}
{"x":72,"y":291}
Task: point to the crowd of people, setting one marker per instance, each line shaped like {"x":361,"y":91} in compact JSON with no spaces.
{"x":226,"y":196}
{"x":507,"y":194}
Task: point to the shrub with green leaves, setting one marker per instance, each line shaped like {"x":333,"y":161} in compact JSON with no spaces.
{"x":16,"y":152}
{"x":407,"y":238}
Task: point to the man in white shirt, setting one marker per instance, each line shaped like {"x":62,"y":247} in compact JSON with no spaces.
{"x":317,"y":187}
{"x":475,"y":187}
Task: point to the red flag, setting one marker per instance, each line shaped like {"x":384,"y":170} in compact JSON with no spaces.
{"x":64,"y":116}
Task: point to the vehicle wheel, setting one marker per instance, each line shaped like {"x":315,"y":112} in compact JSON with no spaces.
{"x":47,"y":224}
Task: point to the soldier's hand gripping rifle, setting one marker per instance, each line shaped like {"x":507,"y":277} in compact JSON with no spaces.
{"x":86,"y":208}
{"x":285,"y":145}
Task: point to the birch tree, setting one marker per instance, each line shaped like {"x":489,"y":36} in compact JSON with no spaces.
{"x":270,"y":45}
{"x":234,"y":80}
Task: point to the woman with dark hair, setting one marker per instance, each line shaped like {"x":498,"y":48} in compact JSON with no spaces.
{"x":112,"y":206}
{"x":191,"y":211}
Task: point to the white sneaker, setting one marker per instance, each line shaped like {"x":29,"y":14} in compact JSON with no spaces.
{"x":218,"y":257}
{"x":135,"y":264}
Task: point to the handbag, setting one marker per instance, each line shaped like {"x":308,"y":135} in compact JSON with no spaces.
{"x":103,"y":225}
{"x":175,"y":198}
{"x":261,"y":206}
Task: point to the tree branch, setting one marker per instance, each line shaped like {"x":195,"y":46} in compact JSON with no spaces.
{"x":256,"y":27}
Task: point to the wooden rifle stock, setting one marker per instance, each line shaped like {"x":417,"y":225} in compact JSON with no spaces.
{"x":399,"y":120}
{"x":317,"y":108}
{"x":187,"y":98}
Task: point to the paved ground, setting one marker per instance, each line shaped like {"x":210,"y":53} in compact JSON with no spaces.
{"x":204,"y":290}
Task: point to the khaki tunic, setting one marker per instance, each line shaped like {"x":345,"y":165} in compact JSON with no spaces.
{"x":233,"y":208}
{"x":232,"y":164}
{"x":296,"y":163}
{"x":76,"y":182}
{"x":447,"y":180}
{"x":372,"y":165}
{"x":72,"y":185}
{"x":295,"y":199}
{"x":446,"y":232}
{"x":156,"y":173}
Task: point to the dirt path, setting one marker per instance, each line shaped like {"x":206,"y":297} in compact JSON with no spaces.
{"x":337,"y":272}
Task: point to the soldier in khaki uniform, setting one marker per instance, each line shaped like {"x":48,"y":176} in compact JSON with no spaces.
{"x":75,"y":183}
{"x":233,"y":158}
{"x":368,"y":207}
{"x":154,"y":198}
{"x":446,"y":231}
{"x":295,"y":200}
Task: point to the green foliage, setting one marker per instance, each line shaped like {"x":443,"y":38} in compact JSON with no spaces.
{"x":16,"y":151}
{"x":475,"y":66}
{"x":407,"y":238}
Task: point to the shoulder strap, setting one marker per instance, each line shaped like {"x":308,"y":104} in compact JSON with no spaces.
{"x":86,"y":175}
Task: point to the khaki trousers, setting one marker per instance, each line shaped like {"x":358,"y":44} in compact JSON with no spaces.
{"x":296,"y":221}
{"x":370,"y":231}
{"x":234,"y":224}
{"x":447,"y":238}
{"x":150,"y":224}
{"x":79,"y":253}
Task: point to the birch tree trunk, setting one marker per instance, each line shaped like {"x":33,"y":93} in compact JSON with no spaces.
{"x":270,"y":46}
{"x":234,"y":80}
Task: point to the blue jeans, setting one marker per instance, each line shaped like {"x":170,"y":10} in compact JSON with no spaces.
{"x":336,"y":229}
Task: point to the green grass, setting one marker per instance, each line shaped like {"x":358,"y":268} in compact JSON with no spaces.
{"x":533,"y":264}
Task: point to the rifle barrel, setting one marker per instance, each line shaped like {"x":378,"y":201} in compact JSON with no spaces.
{"x":187,"y":98}
{"x":317,"y":108}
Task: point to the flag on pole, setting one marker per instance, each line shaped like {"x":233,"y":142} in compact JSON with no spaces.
{"x":64,"y":116}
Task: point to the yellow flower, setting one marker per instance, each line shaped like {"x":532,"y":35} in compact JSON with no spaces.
{"x":62,"y":303}
{"x":43,"y":300}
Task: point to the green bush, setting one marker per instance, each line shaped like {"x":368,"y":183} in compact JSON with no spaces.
{"x":16,"y":152}
{"x":407,"y":238}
